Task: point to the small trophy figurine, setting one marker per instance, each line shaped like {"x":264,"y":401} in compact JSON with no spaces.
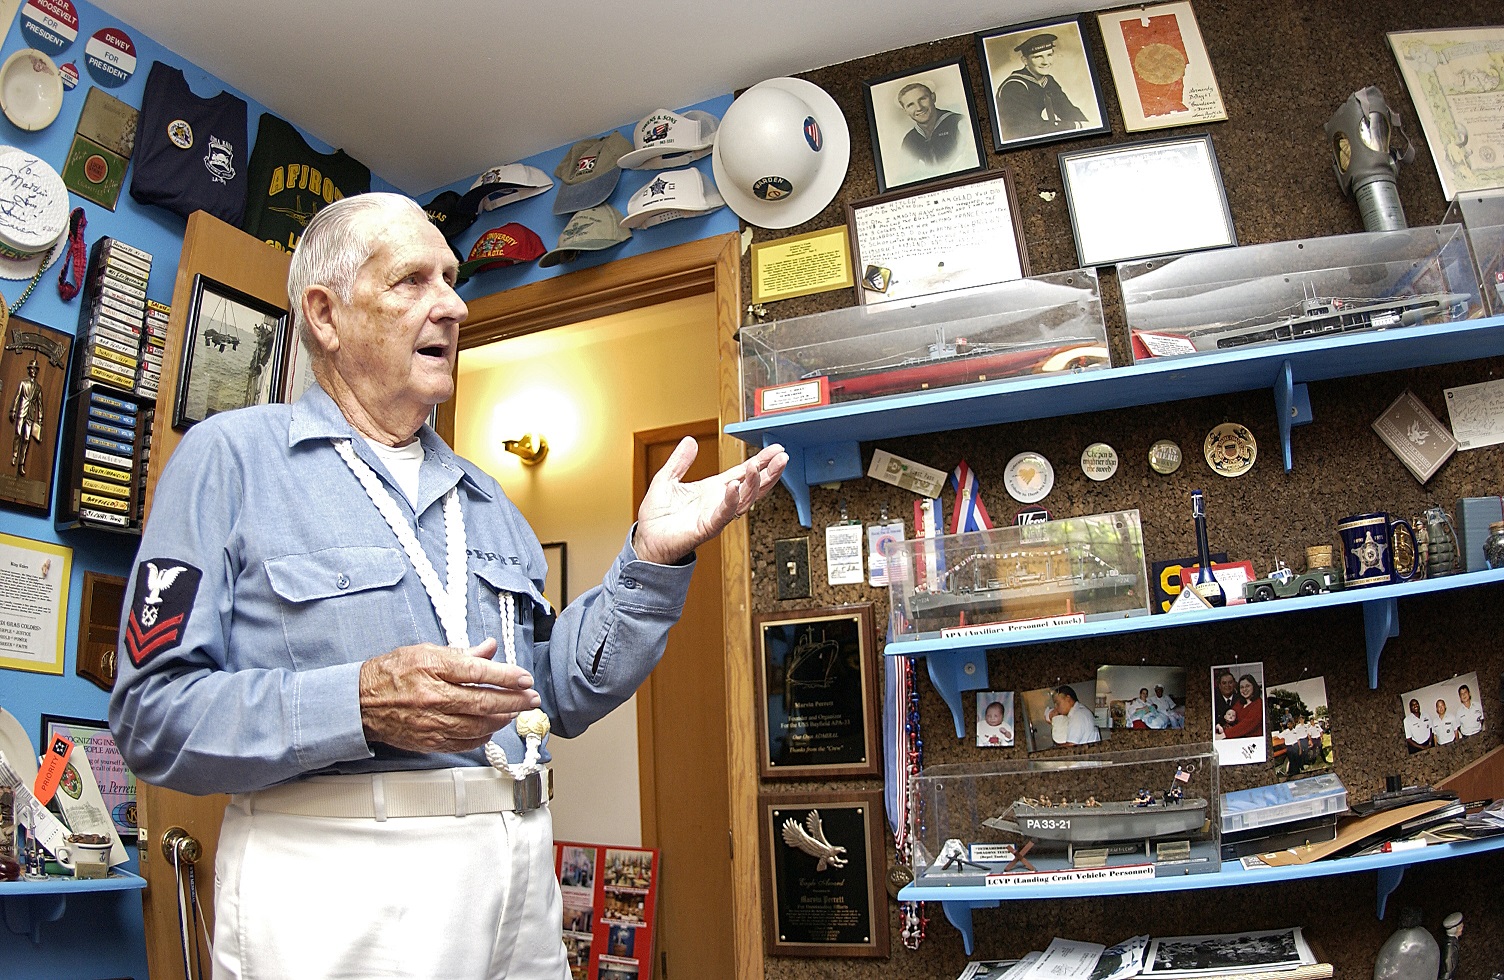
{"x":1452,"y":925}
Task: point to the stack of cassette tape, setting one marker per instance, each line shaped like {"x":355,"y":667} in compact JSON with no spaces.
{"x":106,"y":488}
{"x":153,"y":343}
{"x":112,"y":316}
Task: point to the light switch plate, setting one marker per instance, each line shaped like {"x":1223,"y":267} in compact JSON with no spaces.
{"x":791,"y":558}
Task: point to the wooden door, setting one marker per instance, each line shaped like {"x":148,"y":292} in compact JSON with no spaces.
{"x":230,"y":256}
{"x":682,"y":752}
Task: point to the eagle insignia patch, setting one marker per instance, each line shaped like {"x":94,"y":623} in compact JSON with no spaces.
{"x":165,"y":590}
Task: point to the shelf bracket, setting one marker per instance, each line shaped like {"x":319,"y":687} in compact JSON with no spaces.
{"x":813,"y":466}
{"x":1389,"y":880}
{"x":25,"y":914}
{"x":959,"y":915}
{"x":1381,"y":621}
{"x":793,"y":478}
{"x":954,"y":675}
{"x":1292,"y":404}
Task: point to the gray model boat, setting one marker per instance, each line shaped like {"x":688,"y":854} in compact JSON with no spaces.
{"x":1102,"y":823}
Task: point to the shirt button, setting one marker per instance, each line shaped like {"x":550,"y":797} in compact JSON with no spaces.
{"x":343,"y":582}
{"x":629,"y":583}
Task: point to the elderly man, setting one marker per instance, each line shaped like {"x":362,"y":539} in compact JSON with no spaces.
{"x":1029,"y":101}
{"x":337,"y":620}
{"x":936,"y":133}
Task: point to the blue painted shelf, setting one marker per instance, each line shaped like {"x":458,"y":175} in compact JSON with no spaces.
{"x":824,"y":444}
{"x":958,"y":664}
{"x":29,"y":904}
{"x":960,"y":901}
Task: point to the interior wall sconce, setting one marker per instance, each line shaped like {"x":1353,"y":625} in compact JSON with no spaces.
{"x":531,"y":448}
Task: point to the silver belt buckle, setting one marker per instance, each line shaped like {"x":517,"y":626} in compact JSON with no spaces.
{"x":529,"y":793}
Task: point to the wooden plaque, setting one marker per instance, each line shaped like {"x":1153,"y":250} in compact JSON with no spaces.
{"x":99,"y":628}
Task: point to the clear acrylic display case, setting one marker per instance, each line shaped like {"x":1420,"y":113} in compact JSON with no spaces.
{"x":1146,"y":813}
{"x":1043,"y":325}
{"x":1077,"y":569}
{"x":1481,"y":214}
{"x":1281,"y":291}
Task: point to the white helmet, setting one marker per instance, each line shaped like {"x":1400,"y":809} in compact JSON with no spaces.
{"x":781,"y":153}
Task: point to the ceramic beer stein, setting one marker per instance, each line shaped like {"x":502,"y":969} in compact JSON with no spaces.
{"x":1377,"y":549}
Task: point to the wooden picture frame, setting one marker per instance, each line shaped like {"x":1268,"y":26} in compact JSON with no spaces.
{"x":32,"y":407}
{"x":117,"y":784}
{"x":973,"y":236}
{"x":1041,"y":84}
{"x":1142,"y":200}
{"x":296,"y":375}
{"x":817,"y":694}
{"x":833,"y":907}
{"x":899,"y":114}
{"x":239,"y":360}
{"x":556,"y":583}
{"x":99,"y":628}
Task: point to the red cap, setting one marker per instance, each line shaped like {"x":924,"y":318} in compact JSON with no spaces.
{"x":508,"y":245}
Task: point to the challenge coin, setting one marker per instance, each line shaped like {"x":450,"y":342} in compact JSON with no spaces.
{"x":1230,"y":449}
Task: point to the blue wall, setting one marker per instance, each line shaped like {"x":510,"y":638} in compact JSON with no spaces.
{"x":101,"y":935}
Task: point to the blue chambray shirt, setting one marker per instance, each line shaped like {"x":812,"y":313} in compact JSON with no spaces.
{"x":302,"y":580}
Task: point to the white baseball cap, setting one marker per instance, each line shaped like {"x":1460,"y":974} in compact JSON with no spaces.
{"x":672,"y":194}
{"x":667,"y":139}
{"x":781,"y":152}
{"x":505,"y":185}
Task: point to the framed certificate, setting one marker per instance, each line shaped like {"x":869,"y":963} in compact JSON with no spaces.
{"x":817,"y":693}
{"x":1140,"y":200}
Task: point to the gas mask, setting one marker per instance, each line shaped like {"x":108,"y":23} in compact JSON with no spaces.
{"x":1365,"y":135}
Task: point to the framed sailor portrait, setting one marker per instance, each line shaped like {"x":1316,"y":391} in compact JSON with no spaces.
{"x":923,"y":125}
{"x":1041,"y":85}
{"x":232,"y":352}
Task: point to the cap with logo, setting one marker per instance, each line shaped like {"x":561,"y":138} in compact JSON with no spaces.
{"x":1035,"y":44}
{"x":507,"y":245}
{"x":35,"y":231}
{"x":781,"y":152}
{"x":589,"y":172}
{"x":588,"y":231}
{"x":672,"y":194}
{"x":449,"y":214}
{"x":668,"y":139}
{"x":505,"y":185}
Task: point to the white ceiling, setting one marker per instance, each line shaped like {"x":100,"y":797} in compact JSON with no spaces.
{"x":428,"y":93}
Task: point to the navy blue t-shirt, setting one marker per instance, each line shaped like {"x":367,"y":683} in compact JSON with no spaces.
{"x":190,"y":152}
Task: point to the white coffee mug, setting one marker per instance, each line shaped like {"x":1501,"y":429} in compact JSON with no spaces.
{"x":85,"y":860}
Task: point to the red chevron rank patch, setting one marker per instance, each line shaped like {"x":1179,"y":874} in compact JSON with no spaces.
{"x":165,"y":590}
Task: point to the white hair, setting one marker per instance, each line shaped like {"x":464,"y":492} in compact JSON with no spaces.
{"x":336,"y":243}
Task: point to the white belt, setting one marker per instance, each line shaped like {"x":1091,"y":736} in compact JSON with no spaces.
{"x":416,"y":793}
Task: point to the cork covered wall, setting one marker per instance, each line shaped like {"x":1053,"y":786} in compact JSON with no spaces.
{"x":1284,"y":68}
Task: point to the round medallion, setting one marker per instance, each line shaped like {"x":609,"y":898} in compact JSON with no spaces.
{"x":1164,"y":457}
{"x":1029,"y":477}
{"x":1099,"y":461}
{"x":1230,"y":449}
{"x":180,"y":133}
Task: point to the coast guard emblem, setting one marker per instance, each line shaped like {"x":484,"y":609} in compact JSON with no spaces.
{"x":180,"y":133}
{"x":165,"y":590}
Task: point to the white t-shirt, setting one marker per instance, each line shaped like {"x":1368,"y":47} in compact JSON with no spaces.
{"x":1080,"y":726}
{"x":1470,"y":719}
{"x":1445,"y":729}
{"x":1417,"y":729}
{"x":403,"y":462}
{"x":1163,"y":702}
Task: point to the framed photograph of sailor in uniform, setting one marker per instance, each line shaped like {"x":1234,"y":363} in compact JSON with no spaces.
{"x":923,"y":125}
{"x":1041,"y":86}
{"x":232,"y":352}
{"x":823,"y":879}
{"x":817,"y":693}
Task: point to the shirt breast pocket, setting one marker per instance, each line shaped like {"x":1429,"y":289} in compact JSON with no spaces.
{"x":532,"y":618}
{"x":341,"y":605}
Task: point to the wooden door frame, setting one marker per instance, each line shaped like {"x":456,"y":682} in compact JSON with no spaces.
{"x":711,"y":265}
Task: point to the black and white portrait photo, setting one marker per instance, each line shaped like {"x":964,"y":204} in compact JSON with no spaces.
{"x":923,"y":125}
{"x":1041,"y":85}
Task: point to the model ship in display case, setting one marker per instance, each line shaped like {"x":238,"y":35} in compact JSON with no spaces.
{"x":1147,"y":813}
{"x":1284,"y":291}
{"x":1044,"y":325}
{"x":1078,"y":569}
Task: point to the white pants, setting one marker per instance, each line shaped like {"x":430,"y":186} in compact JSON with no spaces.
{"x":457,"y":898}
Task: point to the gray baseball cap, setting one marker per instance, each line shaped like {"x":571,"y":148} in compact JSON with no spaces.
{"x":588,"y":231}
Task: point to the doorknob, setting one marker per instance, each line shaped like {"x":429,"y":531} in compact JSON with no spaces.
{"x":178,"y":844}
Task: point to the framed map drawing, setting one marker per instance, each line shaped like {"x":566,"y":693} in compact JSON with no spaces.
{"x":1456,"y":80}
{"x":1160,"y":67}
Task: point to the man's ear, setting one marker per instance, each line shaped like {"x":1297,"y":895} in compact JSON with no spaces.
{"x":318,"y":310}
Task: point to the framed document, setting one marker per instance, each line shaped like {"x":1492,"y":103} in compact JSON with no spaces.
{"x":923,"y":126}
{"x":817,"y":701}
{"x":823,"y":864}
{"x":1041,"y":86}
{"x":950,"y":235}
{"x":1160,"y":67}
{"x":117,"y":784}
{"x":34,"y":579}
{"x":1453,"y":79}
{"x":232,"y":352}
{"x":1140,"y":200}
